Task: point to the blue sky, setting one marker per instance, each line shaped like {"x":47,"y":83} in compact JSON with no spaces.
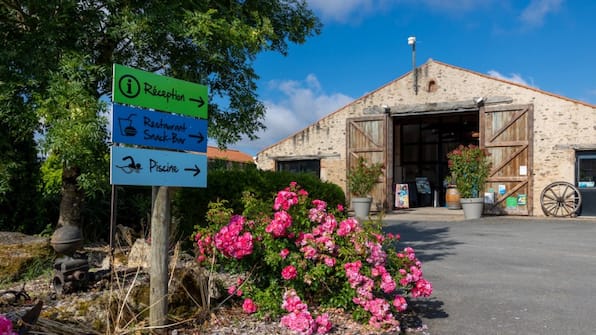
{"x":547,"y":44}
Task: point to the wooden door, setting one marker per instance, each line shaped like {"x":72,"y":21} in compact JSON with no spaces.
{"x":506,"y":132}
{"x":367,"y":137}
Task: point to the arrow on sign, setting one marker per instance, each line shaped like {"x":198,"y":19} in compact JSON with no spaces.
{"x":199,"y":136}
{"x":195,"y":169}
{"x":199,"y":101}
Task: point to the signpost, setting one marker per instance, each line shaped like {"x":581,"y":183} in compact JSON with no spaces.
{"x":163,"y":168}
{"x":156,"y":129}
{"x":134,"y":166}
{"x":150,"y":90}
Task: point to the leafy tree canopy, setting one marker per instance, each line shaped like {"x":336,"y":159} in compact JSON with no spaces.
{"x":212,"y":42}
{"x":56,"y":61}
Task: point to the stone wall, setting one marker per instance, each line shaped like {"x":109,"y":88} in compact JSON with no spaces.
{"x":561,"y":125}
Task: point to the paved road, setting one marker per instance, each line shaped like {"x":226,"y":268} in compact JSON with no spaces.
{"x":505,"y":275}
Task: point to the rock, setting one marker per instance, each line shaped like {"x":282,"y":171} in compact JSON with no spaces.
{"x":19,"y":251}
{"x":139,"y":255}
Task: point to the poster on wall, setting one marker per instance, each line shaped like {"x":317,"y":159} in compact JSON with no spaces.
{"x":402,"y":198}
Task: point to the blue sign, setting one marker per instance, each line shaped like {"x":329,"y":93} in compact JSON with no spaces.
{"x":155,"y":129}
{"x":134,"y":166}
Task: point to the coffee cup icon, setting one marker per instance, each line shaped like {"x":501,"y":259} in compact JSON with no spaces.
{"x":126,"y":128}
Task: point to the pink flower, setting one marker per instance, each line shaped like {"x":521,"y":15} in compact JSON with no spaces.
{"x":329,"y":261}
{"x":230,"y":242}
{"x":353,"y":273}
{"x":316,"y":215}
{"x":340,"y":208}
{"x":292,"y":302}
{"x":348,"y":226}
{"x":248,"y":306}
{"x":387,"y":283}
{"x":285,"y":200}
{"x":400,"y":303}
{"x":6,"y":326}
{"x":378,"y":270}
{"x":319,"y":204}
{"x":323,"y":323}
{"x":376,"y":254}
{"x":284,"y":253}
{"x":416,"y":273}
{"x":329,"y":224}
{"x":289,"y":272}
{"x":299,"y":321}
{"x":309,"y":252}
{"x":280,"y":223}
{"x":234,"y":290}
{"x":423,"y":288}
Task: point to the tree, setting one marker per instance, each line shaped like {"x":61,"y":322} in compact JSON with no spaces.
{"x":212,"y":42}
{"x":75,"y":133}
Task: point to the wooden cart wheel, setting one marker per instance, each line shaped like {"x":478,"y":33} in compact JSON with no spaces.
{"x":560,"y":199}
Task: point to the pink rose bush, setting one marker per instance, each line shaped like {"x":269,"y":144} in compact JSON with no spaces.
{"x":300,"y":251}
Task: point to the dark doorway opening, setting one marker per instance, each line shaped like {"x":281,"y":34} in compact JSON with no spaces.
{"x":421,"y":145}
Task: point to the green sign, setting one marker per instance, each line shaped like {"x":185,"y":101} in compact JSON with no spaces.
{"x":150,"y":90}
{"x":511,"y":202}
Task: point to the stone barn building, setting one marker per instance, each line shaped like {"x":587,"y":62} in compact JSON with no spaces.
{"x":534,"y":137}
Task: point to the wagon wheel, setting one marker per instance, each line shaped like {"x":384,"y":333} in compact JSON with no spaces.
{"x":560,"y":199}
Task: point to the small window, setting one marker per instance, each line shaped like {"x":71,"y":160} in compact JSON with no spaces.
{"x":307,"y":165}
{"x":432,"y":86}
{"x":586,"y":169}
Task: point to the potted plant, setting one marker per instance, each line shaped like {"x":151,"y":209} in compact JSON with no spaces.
{"x":361,"y":180}
{"x":470,"y":167}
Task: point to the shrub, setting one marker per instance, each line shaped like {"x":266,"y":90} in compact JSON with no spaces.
{"x":190,"y":205}
{"x":300,"y":254}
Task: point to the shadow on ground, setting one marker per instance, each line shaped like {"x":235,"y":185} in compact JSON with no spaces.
{"x":411,"y":319}
{"x":430,"y":244}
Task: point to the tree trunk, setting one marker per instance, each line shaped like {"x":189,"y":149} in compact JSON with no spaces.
{"x":72,"y":198}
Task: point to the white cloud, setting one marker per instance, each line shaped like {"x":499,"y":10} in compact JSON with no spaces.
{"x":344,"y":11}
{"x":534,"y":14}
{"x":457,"y":5}
{"x":300,"y":104}
{"x":514,"y":77}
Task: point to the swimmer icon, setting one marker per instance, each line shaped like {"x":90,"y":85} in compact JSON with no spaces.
{"x":131,"y":167}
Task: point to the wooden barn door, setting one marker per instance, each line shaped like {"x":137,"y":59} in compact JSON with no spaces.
{"x":506,"y":132}
{"x":367,"y":137}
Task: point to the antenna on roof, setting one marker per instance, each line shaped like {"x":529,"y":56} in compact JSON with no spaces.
{"x":412,"y":42}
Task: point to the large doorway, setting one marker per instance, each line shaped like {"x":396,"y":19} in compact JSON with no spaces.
{"x":421,"y":145}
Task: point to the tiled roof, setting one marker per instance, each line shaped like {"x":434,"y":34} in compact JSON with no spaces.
{"x":229,"y":155}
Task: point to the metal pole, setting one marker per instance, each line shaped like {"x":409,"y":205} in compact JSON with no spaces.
{"x":412,"y":42}
{"x":414,"y":69}
{"x":113,"y":209}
